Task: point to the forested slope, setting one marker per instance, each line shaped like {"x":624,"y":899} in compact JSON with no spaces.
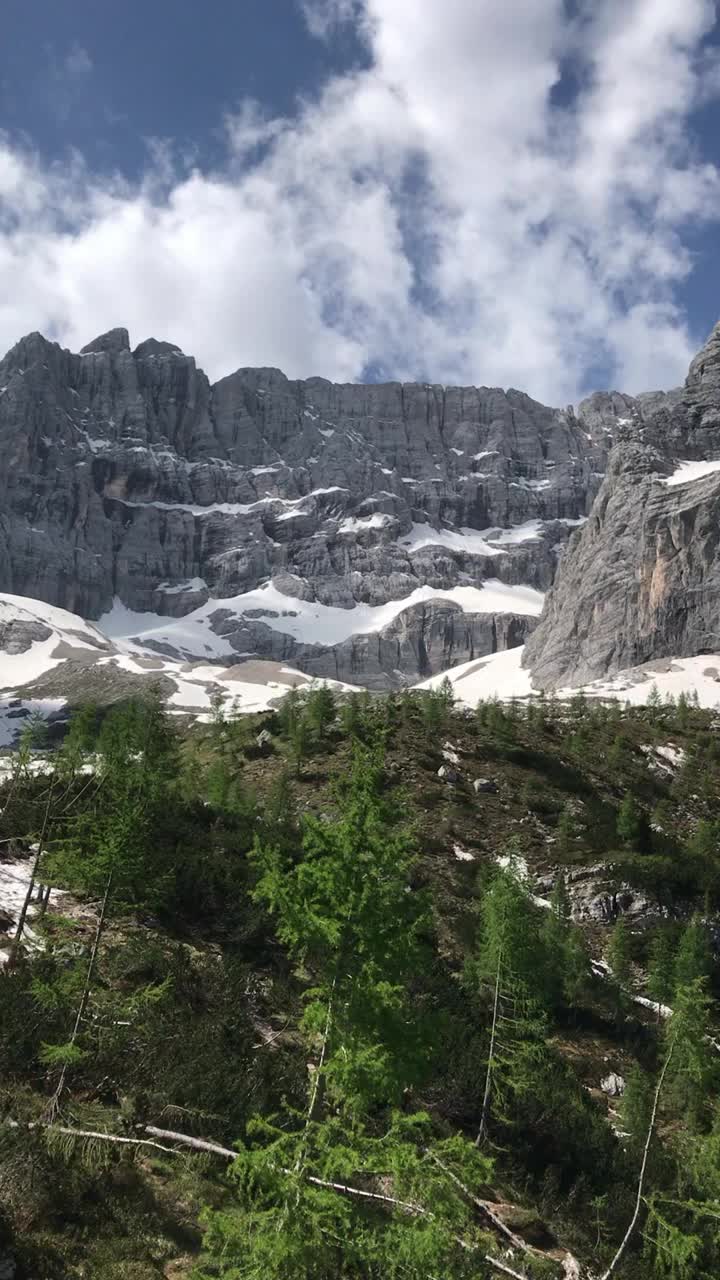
{"x":355,"y":989}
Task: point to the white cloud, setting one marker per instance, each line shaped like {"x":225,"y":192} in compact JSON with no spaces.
{"x":78,"y":61}
{"x":438,"y":215}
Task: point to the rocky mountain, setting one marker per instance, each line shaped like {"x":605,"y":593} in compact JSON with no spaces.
{"x":641,"y":580}
{"x":375,"y":534}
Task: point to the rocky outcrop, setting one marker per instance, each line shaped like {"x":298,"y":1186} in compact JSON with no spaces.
{"x":129,"y":477}
{"x":420,"y":641}
{"x":641,"y":580}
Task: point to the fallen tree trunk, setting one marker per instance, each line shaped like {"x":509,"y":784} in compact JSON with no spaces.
{"x":214,"y":1148}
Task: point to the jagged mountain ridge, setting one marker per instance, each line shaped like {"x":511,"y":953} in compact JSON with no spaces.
{"x":132,"y":483}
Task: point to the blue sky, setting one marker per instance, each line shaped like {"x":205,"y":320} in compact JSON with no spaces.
{"x":105,"y":78}
{"x":516,"y":194}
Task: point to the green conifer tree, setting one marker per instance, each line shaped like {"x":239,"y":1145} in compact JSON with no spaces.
{"x":661,"y":967}
{"x":629,"y":821}
{"x":321,"y":711}
{"x":693,"y":958}
{"x":620,"y":952}
{"x":345,"y":911}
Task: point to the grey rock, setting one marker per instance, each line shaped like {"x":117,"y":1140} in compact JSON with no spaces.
{"x":595,"y":896}
{"x":448,"y":774}
{"x":113,"y":340}
{"x":127,"y":475}
{"x":641,"y":580}
{"x":484,"y":785}
{"x":18,"y":635}
{"x":613,"y":1085}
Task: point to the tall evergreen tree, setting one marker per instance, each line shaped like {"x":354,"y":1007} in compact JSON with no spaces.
{"x":629,"y":821}
{"x":510,"y":967}
{"x":347,"y":912}
{"x":693,"y":958}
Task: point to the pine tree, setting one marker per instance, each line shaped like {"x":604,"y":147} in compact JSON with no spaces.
{"x":654,"y":703}
{"x":109,"y":847}
{"x":401,"y":1214}
{"x":694,"y":1073}
{"x":510,"y":965}
{"x":288,"y":713}
{"x":636,"y":1109}
{"x":693,"y":958}
{"x":619,"y":951}
{"x":566,"y":831}
{"x":300,"y":739}
{"x":618,"y":752}
{"x":345,"y":912}
{"x":329,"y":1191}
{"x":436,"y":706}
{"x":682,"y":712}
{"x":321,"y":711}
{"x":567,"y":961}
{"x":629,"y":821}
{"x":351,"y":717}
{"x":661,"y":967}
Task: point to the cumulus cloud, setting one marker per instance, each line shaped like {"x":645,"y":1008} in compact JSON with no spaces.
{"x":503,"y":196}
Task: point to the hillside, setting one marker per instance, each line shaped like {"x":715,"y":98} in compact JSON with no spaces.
{"x":560,"y":856}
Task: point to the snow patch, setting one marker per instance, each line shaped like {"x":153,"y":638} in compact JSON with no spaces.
{"x":463,"y":855}
{"x":688,"y":471}
{"x":307,"y":621}
{"x":358,"y":525}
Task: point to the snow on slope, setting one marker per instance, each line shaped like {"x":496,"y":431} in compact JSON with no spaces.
{"x":499,"y":675}
{"x":67,"y":630}
{"x":502,"y":676}
{"x":245,"y":687}
{"x":306,"y":621}
{"x":478,"y":542}
{"x":687,"y":471}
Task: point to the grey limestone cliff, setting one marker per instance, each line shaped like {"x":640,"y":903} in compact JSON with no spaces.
{"x":128,"y":476}
{"x":641,"y":580}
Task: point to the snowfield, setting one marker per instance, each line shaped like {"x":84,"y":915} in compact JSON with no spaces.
{"x":501,"y":675}
{"x":306,"y":621}
{"x":687,"y":471}
{"x":200,"y":664}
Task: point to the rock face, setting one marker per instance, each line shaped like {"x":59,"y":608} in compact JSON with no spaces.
{"x":641,"y":580}
{"x":128,"y":477}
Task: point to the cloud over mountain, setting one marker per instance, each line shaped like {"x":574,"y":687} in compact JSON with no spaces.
{"x":503,"y":194}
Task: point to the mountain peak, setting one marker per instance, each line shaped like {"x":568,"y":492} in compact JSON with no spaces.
{"x":113,"y":340}
{"x":154,"y":347}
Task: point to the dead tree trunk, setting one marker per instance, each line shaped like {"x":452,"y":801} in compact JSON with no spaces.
{"x":491,"y":1056}
{"x":55,"y":1100}
{"x":643,"y":1168}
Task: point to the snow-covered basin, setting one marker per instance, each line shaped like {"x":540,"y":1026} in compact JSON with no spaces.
{"x":307,"y":621}
{"x":501,"y":675}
